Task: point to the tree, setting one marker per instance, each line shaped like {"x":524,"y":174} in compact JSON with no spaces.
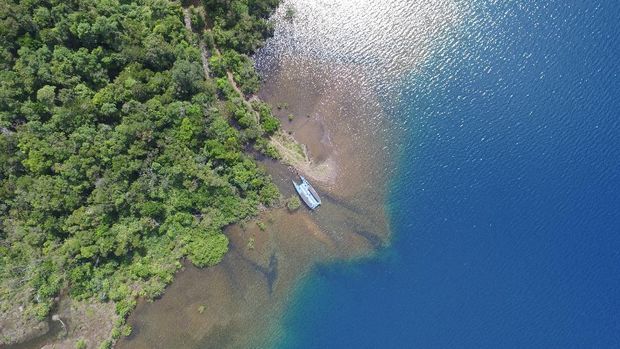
{"x":186,"y":78}
{"x":208,"y":250}
{"x":46,"y":95}
{"x":293,"y":203}
{"x":117,"y":155}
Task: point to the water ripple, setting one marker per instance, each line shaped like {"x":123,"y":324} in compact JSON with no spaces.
{"x":383,"y":41}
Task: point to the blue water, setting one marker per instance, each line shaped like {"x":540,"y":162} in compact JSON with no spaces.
{"x":505,"y":206}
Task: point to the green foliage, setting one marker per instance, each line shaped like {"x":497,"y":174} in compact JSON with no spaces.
{"x":187,"y":78}
{"x":80,"y":344}
{"x":126,"y":330}
{"x":225,"y":89}
{"x":268,"y":122}
{"x":124,"y":306}
{"x":261,"y":226}
{"x":46,"y":95}
{"x":269,"y":194}
{"x":263,"y":146}
{"x":290,"y":13}
{"x":116,"y":157}
{"x":241,"y":25}
{"x":106,"y":344}
{"x":293,"y":203}
{"x":207,"y":251}
{"x":242,"y":69}
{"x":197,"y":17}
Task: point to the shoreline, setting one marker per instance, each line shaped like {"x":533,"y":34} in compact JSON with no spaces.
{"x":86,"y":331}
{"x":245,"y":296}
{"x":343,"y":229}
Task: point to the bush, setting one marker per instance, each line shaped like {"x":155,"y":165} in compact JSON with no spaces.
{"x":207,"y":251}
{"x":290,"y":13}
{"x":126,"y":330}
{"x":106,"y":344}
{"x":197,"y":18}
{"x":293,"y":203}
{"x":80,"y":344}
{"x":261,"y":226}
{"x":124,"y":307}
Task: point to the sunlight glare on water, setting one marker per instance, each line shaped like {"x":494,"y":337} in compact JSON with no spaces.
{"x":384,"y":39}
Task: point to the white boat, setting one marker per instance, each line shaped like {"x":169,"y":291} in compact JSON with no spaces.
{"x":307,"y":193}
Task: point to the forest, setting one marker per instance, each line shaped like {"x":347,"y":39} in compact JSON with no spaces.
{"x":118,"y":157}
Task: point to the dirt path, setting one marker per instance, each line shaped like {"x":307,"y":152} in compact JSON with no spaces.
{"x":187,"y":20}
{"x":204,"y":53}
{"x":293,"y":153}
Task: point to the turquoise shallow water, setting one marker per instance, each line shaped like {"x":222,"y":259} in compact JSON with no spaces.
{"x":505,"y":202}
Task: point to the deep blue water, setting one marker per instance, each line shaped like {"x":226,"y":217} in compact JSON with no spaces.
{"x":505,"y":206}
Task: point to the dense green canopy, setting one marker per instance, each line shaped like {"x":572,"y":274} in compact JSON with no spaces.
{"x":117,"y":156}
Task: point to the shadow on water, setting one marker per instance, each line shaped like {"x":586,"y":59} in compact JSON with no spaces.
{"x":270,"y":273}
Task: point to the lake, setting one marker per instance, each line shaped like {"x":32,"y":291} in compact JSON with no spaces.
{"x":504,"y":199}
